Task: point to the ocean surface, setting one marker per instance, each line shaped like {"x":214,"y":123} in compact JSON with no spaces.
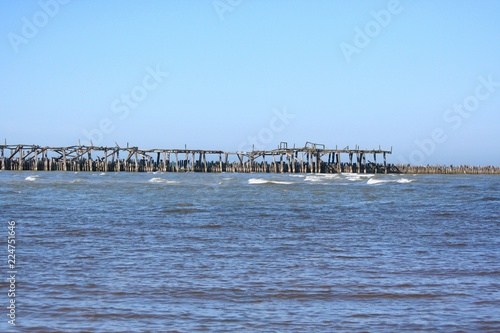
{"x":192,"y":252}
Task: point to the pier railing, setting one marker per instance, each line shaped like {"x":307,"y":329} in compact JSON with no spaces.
{"x":312,"y":158}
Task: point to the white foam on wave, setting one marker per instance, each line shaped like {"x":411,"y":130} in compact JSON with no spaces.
{"x":351,"y":174}
{"x":355,"y":176}
{"x":373,"y":181}
{"x":321,"y":177}
{"x":260,"y":181}
{"x":31,"y":178}
{"x":313,"y":179}
{"x":360,"y":175}
{"x":298,"y":176}
{"x":161,"y":180}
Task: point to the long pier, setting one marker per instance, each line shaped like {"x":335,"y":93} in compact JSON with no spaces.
{"x":312,"y":158}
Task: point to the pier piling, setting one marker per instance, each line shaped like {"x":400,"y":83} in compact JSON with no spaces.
{"x":313,"y":158}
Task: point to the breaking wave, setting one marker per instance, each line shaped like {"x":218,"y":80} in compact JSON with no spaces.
{"x":260,"y":181}
{"x":373,"y":181}
{"x":161,"y":180}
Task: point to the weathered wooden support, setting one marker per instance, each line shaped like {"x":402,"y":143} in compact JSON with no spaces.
{"x":205,"y":167}
{"x":339,"y":165}
{"x":136,"y":161}
{"x":64,"y":167}
{"x":364,"y":162}
{"x":20,"y":167}
{"x":318,"y":162}
{"x":3,"y":159}
{"x":79,"y":158}
{"x":385,"y":164}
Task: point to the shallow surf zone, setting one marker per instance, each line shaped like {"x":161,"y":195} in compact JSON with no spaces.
{"x":329,"y":256}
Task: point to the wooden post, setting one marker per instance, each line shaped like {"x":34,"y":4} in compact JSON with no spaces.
{"x":136,"y":161}
{"x":45,"y":161}
{"x":375,"y":161}
{"x":358,"y":162}
{"x":20,"y":167}
{"x":89,"y":155}
{"x":339,"y":164}
{"x":205,"y":162}
{"x":241,"y":166}
{"x":385,"y":164}
{"x":64,"y":159}
{"x":364,"y":161}
{"x":318,"y":162}
{"x":105,"y":160}
{"x":118,"y":165}
{"x":200,"y":163}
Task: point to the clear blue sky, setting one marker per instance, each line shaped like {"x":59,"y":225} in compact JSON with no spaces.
{"x":420,"y":76}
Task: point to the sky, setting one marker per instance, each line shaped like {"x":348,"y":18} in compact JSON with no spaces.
{"x":420,"y":77}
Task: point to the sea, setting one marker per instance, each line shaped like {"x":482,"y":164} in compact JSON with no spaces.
{"x":227,"y":252}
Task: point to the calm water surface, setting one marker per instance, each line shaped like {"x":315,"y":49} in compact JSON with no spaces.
{"x":124,"y":252}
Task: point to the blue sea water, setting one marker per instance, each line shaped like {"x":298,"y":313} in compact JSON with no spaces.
{"x":192,"y":252}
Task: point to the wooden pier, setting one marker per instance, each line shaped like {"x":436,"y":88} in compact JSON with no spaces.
{"x":312,"y":158}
